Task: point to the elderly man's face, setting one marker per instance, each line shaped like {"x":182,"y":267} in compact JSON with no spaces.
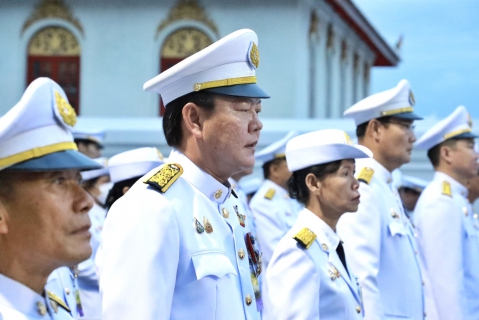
{"x":231,"y":133}
{"x":47,"y":218}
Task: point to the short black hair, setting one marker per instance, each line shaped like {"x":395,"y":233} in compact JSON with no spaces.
{"x":297,"y":182}
{"x":361,"y":129}
{"x":6,"y":186}
{"x":173,"y":116}
{"x":116,"y":192}
{"x":267,"y":166}
{"x":434,"y":154}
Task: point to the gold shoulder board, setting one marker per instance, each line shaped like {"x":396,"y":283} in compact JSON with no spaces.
{"x":57,"y":299}
{"x":165,"y":177}
{"x":305,"y":237}
{"x":270,"y":194}
{"x":446,"y":188}
{"x":366,"y":175}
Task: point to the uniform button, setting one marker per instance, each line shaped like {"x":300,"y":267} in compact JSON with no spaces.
{"x":248,"y":299}
{"x":67,"y":291}
{"x":324,"y":246}
{"x":42,"y":310}
{"x":218,"y":194}
{"x":358,"y":309}
{"x":226,"y":213}
{"x":241,"y":254}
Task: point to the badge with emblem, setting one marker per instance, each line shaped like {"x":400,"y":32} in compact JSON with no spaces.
{"x":208,"y":226}
{"x":75,"y":271}
{"x":255,"y":266}
{"x":241,"y":217}
{"x":199,"y":228}
{"x":333,"y":272}
{"x":394,"y":214}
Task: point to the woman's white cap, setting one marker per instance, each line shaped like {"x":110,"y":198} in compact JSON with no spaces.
{"x":322,"y":146}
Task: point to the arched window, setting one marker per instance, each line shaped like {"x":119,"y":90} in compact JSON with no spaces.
{"x":54,"y":52}
{"x":180,"y":45}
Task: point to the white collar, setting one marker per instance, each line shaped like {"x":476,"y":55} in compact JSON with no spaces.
{"x":456,"y":187}
{"x":205,"y":183}
{"x":327,"y":238}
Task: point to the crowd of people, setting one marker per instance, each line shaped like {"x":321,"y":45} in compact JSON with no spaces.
{"x":332,"y":231}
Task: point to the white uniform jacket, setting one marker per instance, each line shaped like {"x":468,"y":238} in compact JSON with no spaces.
{"x":18,"y":302}
{"x":274,"y":215}
{"x":63,"y":283}
{"x":180,"y":254}
{"x":381,"y":248}
{"x":310,"y":283}
{"x":449,"y":248}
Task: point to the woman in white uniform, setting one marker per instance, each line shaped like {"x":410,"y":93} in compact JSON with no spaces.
{"x":308,"y":276}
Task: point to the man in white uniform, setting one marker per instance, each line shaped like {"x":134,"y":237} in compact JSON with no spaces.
{"x":379,"y":238}
{"x":43,"y":209}
{"x":447,"y":238}
{"x":174,"y":245}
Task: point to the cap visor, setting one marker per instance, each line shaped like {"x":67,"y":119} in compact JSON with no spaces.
{"x":63,"y":160}
{"x":251,"y":90}
{"x":407,"y":116}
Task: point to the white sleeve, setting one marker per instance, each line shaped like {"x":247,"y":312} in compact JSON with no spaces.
{"x":293,"y":286}
{"x":361,"y":233}
{"x":140,"y":254}
{"x":439,"y":228}
{"x":270,"y":227}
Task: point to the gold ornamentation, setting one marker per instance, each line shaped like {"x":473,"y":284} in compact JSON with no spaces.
{"x":348,"y":139}
{"x":187,"y":10}
{"x":464,"y":209}
{"x":224,"y":83}
{"x":305,"y":237}
{"x":208,"y":226}
{"x":394,"y":214}
{"x":248,"y":299}
{"x":165,"y":177}
{"x":67,"y":112}
{"x":324,"y":246}
{"x":412,"y":100}
{"x":54,"y":41}
{"x":184,"y":42}
{"x":241,"y":254}
{"x":226,"y":213}
{"x":396,"y":111}
{"x":366,"y":175}
{"x":52,"y":9}
{"x":333,"y":272}
{"x":270,"y":194}
{"x":199,"y":228}
{"x":313,"y":23}
{"x":456,"y":133}
{"x":218,"y":194}
{"x":254,"y":55}
{"x":42,"y":310}
{"x":446,"y":188}
{"x":469,"y":120}
{"x":56,"y":301}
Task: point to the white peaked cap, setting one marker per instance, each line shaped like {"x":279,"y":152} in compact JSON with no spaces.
{"x":134,"y":163}
{"x":92,"y":174}
{"x":322,"y":146}
{"x":398,"y":102}
{"x":228,"y":67}
{"x":276,"y":149}
{"x":413,"y":183}
{"x":36,"y":133}
{"x":457,"y":125}
{"x":95,"y":135}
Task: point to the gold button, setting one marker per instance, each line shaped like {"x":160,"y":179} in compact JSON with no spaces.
{"x":241,"y":254}
{"x":248,"y":299}
{"x":358,"y":309}
{"x":464,"y":209}
{"x":42,"y":310}
{"x":218,"y":194}
{"x":67,"y":291}
{"x":226,"y":213}
{"x":324,"y":246}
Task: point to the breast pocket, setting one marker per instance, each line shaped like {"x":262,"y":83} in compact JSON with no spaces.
{"x":212,"y":263}
{"x":397,"y":228}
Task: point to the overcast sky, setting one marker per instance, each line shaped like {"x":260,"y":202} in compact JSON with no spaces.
{"x":439,"y":53}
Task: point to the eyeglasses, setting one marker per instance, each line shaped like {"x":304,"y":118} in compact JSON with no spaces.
{"x":406,"y":126}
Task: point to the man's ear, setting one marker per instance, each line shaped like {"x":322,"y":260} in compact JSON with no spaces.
{"x":374,"y":129}
{"x":445,"y":153}
{"x":192,"y":119}
{"x":3,"y":218}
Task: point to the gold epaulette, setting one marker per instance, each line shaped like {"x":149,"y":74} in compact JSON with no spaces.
{"x":446,"y":188}
{"x":270,"y":194}
{"x":305,"y":237}
{"x":56,"y":300}
{"x":165,"y":177}
{"x":366,"y":175}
